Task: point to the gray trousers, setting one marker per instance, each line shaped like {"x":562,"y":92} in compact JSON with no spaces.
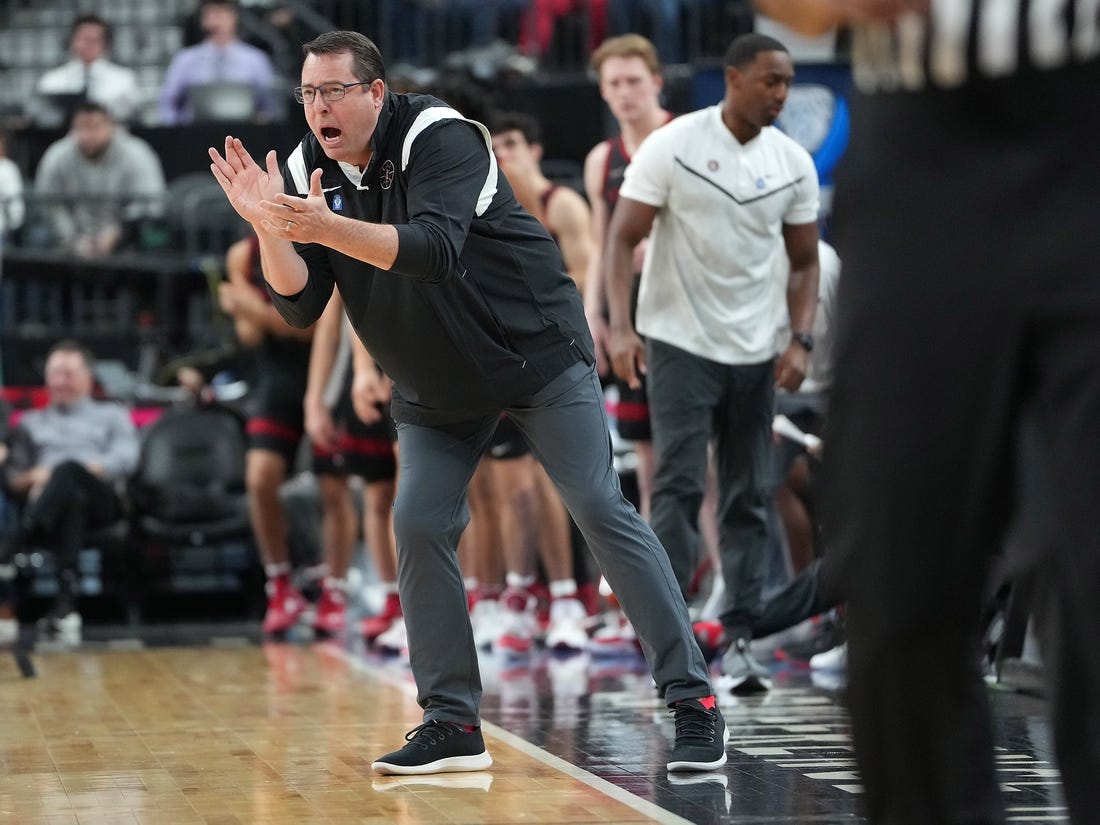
{"x":566,"y":426}
{"x":692,"y":399}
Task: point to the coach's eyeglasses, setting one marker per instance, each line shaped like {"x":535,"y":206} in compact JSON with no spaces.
{"x":330,"y":92}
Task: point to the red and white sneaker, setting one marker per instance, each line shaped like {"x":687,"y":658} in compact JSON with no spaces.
{"x":372,"y":627}
{"x":285,"y":605}
{"x":332,"y":612}
{"x":395,"y":640}
{"x":566,"y":631}
{"x":484,"y":621}
{"x":589,"y":594}
{"x":542,"y":609}
{"x":615,"y":638}
{"x":518,"y":622}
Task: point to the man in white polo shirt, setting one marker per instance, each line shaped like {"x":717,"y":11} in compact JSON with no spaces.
{"x":725,"y":194}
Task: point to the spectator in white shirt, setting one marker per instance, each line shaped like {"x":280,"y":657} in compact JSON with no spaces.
{"x":11,"y":192}
{"x":88,"y":73}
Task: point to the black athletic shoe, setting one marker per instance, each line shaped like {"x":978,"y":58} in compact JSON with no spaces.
{"x":437,"y":747}
{"x":701,"y":736}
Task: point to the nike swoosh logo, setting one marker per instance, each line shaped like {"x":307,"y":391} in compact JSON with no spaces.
{"x":330,"y":189}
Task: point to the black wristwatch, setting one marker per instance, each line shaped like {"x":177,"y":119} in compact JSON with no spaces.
{"x":804,"y":339}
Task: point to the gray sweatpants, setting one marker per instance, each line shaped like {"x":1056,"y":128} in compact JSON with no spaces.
{"x":567,"y":429}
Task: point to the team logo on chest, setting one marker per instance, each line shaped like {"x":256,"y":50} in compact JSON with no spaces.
{"x":385,"y":177}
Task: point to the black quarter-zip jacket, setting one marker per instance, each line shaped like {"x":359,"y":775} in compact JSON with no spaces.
{"x":477,"y":311}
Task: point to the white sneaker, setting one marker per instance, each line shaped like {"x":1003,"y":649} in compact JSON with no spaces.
{"x":70,"y":624}
{"x":566,"y":631}
{"x":394,"y":640}
{"x":833,"y":659}
{"x":485,"y":620}
{"x":517,"y":623}
{"x":615,"y":638}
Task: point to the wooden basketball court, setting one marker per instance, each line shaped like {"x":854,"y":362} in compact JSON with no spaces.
{"x":279,"y":734}
{"x":237,"y":733}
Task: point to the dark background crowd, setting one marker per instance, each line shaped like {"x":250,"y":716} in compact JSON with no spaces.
{"x":114,"y":233}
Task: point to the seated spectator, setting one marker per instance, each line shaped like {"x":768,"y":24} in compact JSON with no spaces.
{"x":88,"y":75}
{"x":68,"y":471}
{"x":11,"y":193}
{"x":222,"y":58}
{"x":98,"y":183}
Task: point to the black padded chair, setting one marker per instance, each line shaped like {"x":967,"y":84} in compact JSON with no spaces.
{"x":191,"y":524}
{"x":199,"y":218}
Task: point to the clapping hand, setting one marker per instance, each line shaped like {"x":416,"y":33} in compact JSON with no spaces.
{"x":244,"y":182}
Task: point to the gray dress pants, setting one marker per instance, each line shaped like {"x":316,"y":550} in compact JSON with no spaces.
{"x":567,"y":429}
{"x":691,"y":400}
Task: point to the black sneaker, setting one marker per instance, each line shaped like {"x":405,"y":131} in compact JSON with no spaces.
{"x":701,"y":736}
{"x":437,"y":747}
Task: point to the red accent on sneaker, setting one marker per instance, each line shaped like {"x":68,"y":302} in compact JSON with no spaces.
{"x":589,"y":595}
{"x":332,"y":612}
{"x":515,"y":598}
{"x":372,"y":627}
{"x":541,"y":592}
{"x":701,"y":571}
{"x":708,"y":702}
{"x":284,"y":605}
{"x":710,"y":636}
{"x":482,"y":592}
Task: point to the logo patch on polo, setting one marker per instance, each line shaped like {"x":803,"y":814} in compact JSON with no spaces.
{"x":385,"y":177}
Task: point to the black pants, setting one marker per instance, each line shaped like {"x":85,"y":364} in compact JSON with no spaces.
{"x":968,"y":379}
{"x":692,"y":399}
{"x":73,"y":502}
{"x":808,"y":594}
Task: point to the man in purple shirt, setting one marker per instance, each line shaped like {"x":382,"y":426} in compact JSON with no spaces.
{"x":222,"y":58}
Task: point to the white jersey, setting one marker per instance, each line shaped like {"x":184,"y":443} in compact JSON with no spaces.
{"x":962,"y":40}
{"x":711,"y":282}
